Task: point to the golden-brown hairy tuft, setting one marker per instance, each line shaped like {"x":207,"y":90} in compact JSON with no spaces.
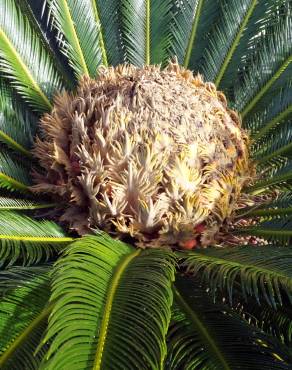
{"x":147,"y":153}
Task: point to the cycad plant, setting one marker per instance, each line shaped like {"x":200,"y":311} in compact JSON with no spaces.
{"x":145,"y":175}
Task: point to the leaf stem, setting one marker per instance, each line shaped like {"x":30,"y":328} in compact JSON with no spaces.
{"x":14,"y":183}
{"x":13,"y":144}
{"x":75,"y":37}
{"x":264,"y":232}
{"x":266,"y":87}
{"x":100,"y":36}
{"x":36,"y":239}
{"x":272,"y":123}
{"x":235,"y":42}
{"x":147,"y":33}
{"x":271,"y":212}
{"x":108,"y":307}
{"x":191,"y":41}
{"x":29,"y":206}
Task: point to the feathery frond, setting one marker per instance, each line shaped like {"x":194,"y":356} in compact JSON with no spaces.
{"x":81,"y":38}
{"x":232,"y":36}
{"x":277,"y":323}
{"x":226,"y":35}
{"x":27,"y":240}
{"x":13,"y":176}
{"x":121,"y":298}
{"x":276,"y":111}
{"x":277,"y":177}
{"x":264,"y":271}
{"x":189,"y":27}
{"x":135,"y":30}
{"x":277,"y":144}
{"x":36,"y":13}
{"x":267,"y":66}
{"x":17,"y":123}
{"x":280,"y":207}
{"x":160,"y":35}
{"x":22,"y":204}
{"x":277,"y":231}
{"x":24,"y":60}
{"x":109,"y":14}
{"x":23,"y":315}
{"x":14,"y":277}
{"x":208,"y":335}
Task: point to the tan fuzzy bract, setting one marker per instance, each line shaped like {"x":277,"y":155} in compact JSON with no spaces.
{"x":147,"y":153}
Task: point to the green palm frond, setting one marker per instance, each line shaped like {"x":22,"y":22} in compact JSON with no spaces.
{"x":277,"y":145}
{"x":277,"y":323}
{"x":191,"y":24}
{"x":204,"y":335}
{"x":160,"y":35}
{"x":282,"y":206}
{"x":80,"y":33}
{"x":17,"y":123}
{"x":275,"y":178}
{"x":267,"y":67}
{"x":188,"y":23}
{"x":229,"y":33}
{"x":23,"y":317}
{"x":14,"y":175}
{"x":24,"y":60}
{"x":278,"y":110}
{"x":194,"y":12}
{"x":36,"y":14}
{"x":27,"y":240}
{"x":121,"y":298}
{"x":14,"y":277}
{"x":22,"y":204}
{"x":109,"y":14}
{"x":136,"y":30}
{"x":231,"y":37}
{"x":258,"y":271}
{"x":277,"y":231}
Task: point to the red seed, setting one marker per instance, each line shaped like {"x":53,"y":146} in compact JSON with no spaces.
{"x":199,"y":228}
{"x":188,"y":244}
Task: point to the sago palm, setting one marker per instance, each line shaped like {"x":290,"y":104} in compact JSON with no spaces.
{"x":145,"y":174}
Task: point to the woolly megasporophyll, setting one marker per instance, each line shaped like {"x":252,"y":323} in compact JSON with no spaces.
{"x":151,"y":154}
